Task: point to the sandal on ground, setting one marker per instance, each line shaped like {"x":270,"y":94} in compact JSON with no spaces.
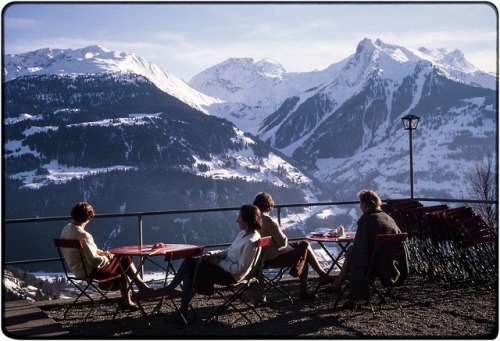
{"x":332,"y":290}
{"x":128,"y":307}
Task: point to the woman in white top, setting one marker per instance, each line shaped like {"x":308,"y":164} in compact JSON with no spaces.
{"x":224,"y":266}
{"x":98,"y":263}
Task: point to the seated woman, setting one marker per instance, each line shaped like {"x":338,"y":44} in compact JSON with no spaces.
{"x":223,"y":266}
{"x":298,"y":256}
{"x":373,"y":221}
{"x":99,"y":263}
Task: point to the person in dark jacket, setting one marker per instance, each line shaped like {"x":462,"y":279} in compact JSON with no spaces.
{"x":373,"y":221}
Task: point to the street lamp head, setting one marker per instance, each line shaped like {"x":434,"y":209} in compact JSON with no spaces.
{"x":410,"y":122}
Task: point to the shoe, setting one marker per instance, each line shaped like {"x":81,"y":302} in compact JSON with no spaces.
{"x":332,"y":290}
{"x":307,"y":296}
{"x":128,"y":307}
{"x":326,"y":280}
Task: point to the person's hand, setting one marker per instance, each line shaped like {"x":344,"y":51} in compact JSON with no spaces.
{"x":214,"y":259}
{"x":107,"y":254}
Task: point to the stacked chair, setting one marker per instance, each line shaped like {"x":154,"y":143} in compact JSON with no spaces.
{"x":450,"y":244}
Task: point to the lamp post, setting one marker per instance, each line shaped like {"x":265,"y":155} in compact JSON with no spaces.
{"x":410,"y":123}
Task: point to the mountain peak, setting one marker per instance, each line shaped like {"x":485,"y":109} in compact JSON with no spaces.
{"x":96,"y":59}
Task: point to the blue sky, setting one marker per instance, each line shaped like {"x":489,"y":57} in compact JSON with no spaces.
{"x":185,"y":38}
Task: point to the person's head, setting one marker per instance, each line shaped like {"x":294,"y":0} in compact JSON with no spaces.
{"x":264,"y":202}
{"x":368,"y":200}
{"x":82,"y":212}
{"x":249,"y":218}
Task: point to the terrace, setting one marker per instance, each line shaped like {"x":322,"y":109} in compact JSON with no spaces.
{"x":447,"y":295}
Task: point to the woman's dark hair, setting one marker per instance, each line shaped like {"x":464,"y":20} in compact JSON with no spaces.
{"x":264,"y":202}
{"x":369,"y":198}
{"x":250,"y":214}
{"x":82,"y":212}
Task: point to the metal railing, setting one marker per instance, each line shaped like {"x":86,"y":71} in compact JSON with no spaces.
{"x":140,"y":215}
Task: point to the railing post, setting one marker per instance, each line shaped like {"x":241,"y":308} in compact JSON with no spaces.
{"x":279,"y":216}
{"x":139,"y":222}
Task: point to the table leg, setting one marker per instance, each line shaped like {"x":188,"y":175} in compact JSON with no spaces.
{"x":335,"y":259}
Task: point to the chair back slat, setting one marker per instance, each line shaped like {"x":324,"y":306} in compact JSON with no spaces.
{"x":264,"y":241}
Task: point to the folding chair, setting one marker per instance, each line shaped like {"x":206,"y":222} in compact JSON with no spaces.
{"x":85,"y":285}
{"x":236,"y":290}
{"x":388,"y":249}
{"x":272,"y":280}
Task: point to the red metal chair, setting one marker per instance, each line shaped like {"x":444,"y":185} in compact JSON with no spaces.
{"x":85,"y":285}
{"x":388,"y":248}
{"x":236,"y":290}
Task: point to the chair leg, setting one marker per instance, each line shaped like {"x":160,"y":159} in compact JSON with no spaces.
{"x":274,"y":283}
{"x":342,"y":292}
{"x":230,"y":302}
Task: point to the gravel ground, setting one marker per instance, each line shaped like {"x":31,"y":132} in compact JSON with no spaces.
{"x":431,"y":310}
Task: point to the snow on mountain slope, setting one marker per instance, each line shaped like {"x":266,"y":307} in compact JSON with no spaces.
{"x":251,"y":90}
{"x":457,"y":67}
{"x":96,"y":59}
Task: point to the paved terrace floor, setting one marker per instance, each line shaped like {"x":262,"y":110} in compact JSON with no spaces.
{"x":432,"y":310}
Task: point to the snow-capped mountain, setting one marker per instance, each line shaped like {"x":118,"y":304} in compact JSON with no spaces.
{"x":117,"y":139}
{"x":113,"y":129}
{"x":251,"y":90}
{"x":97,"y":60}
{"x":347,"y":129}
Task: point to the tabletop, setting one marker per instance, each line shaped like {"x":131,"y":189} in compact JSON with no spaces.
{"x":349,"y":237}
{"x":170,"y":251}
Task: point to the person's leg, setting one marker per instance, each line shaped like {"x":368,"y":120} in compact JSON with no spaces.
{"x":343,"y":271}
{"x":303,"y":283}
{"x":179,"y":276}
{"x":126,"y":295}
{"x":112,"y":269}
{"x":187,"y":292}
{"x":314,"y":263}
{"x":336,"y":287}
{"x":138,"y":279}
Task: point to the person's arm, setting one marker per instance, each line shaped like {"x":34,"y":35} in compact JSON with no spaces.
{"x":218,"y":253}
{"x":242,"y":265}
{"x":91,"y":253}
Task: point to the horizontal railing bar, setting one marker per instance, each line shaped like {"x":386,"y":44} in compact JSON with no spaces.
{"x":205,"y":210}
{"x":32,"y":261}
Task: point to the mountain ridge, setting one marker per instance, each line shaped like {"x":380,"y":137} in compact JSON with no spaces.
{"x":318,"y":118}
